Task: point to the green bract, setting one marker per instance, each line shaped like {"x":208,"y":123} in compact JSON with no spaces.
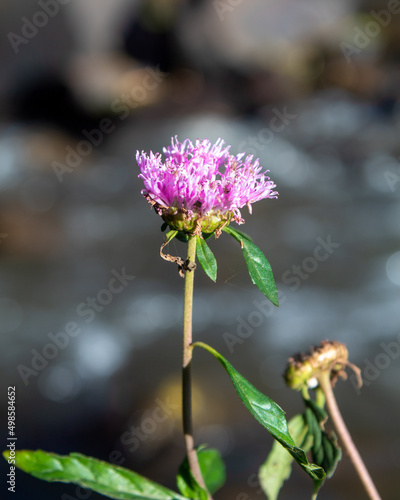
{"x":190,"y":223}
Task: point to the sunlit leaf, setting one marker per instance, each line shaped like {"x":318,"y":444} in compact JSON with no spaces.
{"x":212,"y":469}
{"x":109,"y":480}
{"x":278,"y":466}
{"x":238,"y":233}
{"x":189,"y":487}
{"x":259,"y":268}
{"x":268,"y":414}
{"x":170,"y":235}
{"x":206,"y":258}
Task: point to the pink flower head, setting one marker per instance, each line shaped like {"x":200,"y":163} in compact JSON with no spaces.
{"x":202,"y":187}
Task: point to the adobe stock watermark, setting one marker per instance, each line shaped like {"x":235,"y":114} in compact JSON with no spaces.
{"x":253,"y":482}
{"x":223,"y":6}
{"x":372,"y":369}
{"x":265,"y":136}
{"x":88,"y":309}
{"x":121,"y":107}
{"x":362,"y":37}
{"x":133,"y":437}
{"x":292,"y":277}
{"x":393,"y":178}
{"x":3,"y":236}
{"x":149,"y":424}
{"x":30,"y":27}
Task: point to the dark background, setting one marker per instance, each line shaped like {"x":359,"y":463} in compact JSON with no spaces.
{"x":146,"y":71}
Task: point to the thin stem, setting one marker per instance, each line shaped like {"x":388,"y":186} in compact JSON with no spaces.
{"x":345,"y":437}
{"x":187,"y":359}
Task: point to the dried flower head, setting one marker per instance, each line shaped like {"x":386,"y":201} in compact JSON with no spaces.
{"x":201,"y":187}
{"x":329,"y":356}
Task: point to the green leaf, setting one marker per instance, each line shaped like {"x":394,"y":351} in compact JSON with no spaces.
{"x":278,"y":466}
{"x":258,"y":266}
{"x":170,"y":235}
{"x":102,"y":477}
{"x":325,"y":449}
{"x":268,"y":414}
{"x":164,"y":226}
{"x":212,"y":469}
{"x":238,"y":232}
{"x":206,"y":258}
{"x":188,"y":485}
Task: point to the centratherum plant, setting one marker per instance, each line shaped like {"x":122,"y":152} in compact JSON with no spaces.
{"x":199,"y":190}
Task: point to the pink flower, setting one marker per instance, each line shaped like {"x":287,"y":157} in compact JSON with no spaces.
{"x":202,"y":185}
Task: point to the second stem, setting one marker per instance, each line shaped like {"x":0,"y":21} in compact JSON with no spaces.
{"x":345,"y":437}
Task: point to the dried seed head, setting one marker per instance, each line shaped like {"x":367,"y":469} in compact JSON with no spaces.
{"x":305,"y":369}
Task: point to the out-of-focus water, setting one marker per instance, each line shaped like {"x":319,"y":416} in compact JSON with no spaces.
{"x":91,"y":316}
{"x":332,"y":238}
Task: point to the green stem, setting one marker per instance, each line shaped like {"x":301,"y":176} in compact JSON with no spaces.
{"x":187,"y":359}
{"x":345,"y":438}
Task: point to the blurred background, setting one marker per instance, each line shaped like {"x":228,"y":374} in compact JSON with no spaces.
{"x":90,"y":326}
